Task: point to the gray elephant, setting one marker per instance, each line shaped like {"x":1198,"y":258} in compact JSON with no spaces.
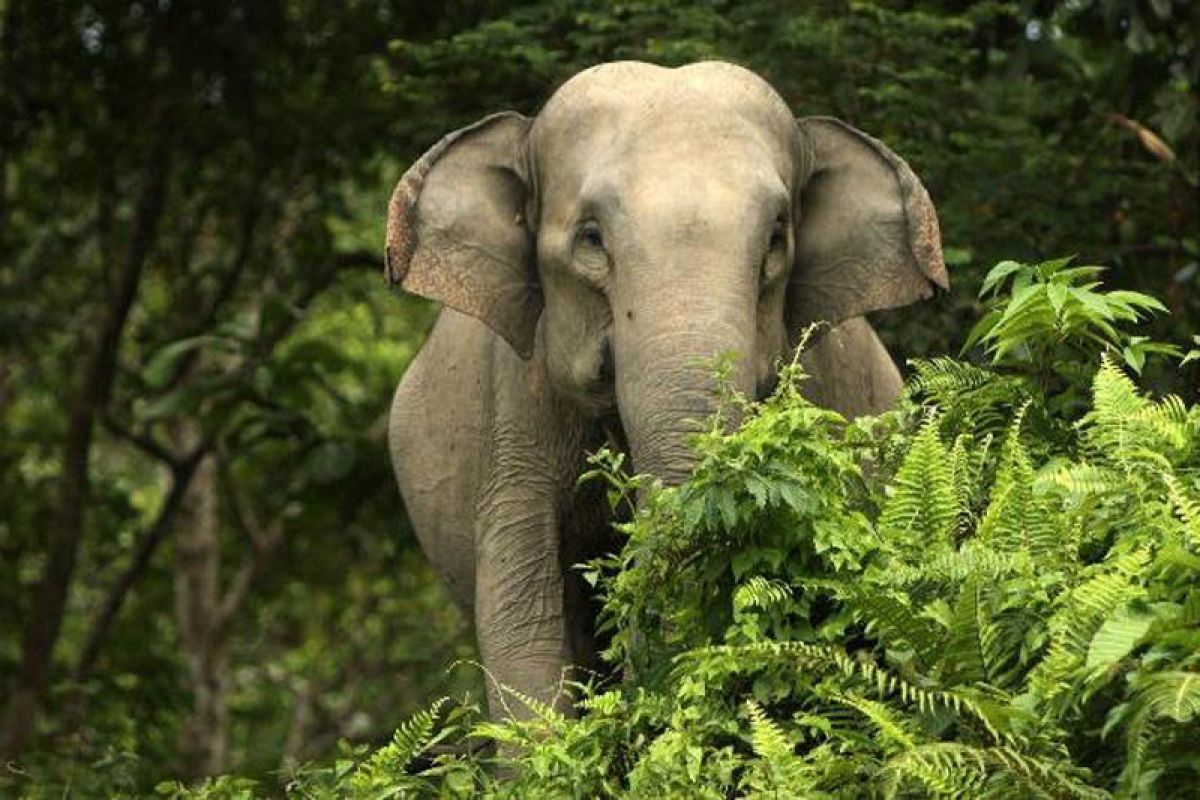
{"x":590,"y":261}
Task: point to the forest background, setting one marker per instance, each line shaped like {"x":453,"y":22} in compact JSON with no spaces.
{"x":204,"y":564}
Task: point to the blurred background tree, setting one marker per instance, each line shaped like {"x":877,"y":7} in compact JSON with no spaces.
{"x":204,"y":564}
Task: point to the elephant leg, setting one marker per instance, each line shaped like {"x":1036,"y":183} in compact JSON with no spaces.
{"x":486,"y":457}
{"x":851,"y":371}
{"x":523,"y":625}
{"x":520,"y":617}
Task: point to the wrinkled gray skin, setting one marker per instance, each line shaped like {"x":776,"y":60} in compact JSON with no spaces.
{"x":590,"y":260}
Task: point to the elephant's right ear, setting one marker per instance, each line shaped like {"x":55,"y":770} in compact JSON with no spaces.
{"x":456,"y":229}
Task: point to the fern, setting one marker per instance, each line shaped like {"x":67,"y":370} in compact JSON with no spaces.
{"x":954,"y":566}
{"x":891,"y":617}
{"x":970,"y":654}
{"x":924,"y":496}
{"x":1081,"y":613}
{"x":894,"y":729}
{"x":1017,"y":519}
{"x":970,"y":399}
{"x":955,"y":770}
{"x":386,"y":767}
{"x":1186,"y":507}
{"x":768,"y":740}
{"x":760,"y":592}
{"x":1159,"y":699}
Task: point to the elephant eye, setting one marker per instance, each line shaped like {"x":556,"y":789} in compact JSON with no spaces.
{"x":773,"y":260}
{"x":778,"y":236}
{"x":590,"y":235}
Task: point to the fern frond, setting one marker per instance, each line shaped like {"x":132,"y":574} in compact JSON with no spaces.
{"x":896,"y":624}
{"x":1081,"y":612}
{"x":924,"y":506}
{"x":955,"y":566}
{"x":1172,"y":695}
{"x":388,"y":764}
{"x":1186,"y":507}
{"x":893,"y":730}
{"x":760,"y":592}
{"x":967,"y":460}
{"x":767,"y":738}
{"x":957,"y":770}
{"x":1125,"y":427}
{"x":1084,"y":480}
{"x":941,"y":768}
{"x":976,"y":651}
{"x":987,"y":712}
{"x":970,"y":398}
{"x":541,"y":710}
{"x":1016,"y":518}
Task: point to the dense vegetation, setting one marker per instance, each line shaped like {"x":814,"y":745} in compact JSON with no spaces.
{"x":204,"y":565}
{"x":991,"y":591}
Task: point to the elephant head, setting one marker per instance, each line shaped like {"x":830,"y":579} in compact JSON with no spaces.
{"x":650,"y":218}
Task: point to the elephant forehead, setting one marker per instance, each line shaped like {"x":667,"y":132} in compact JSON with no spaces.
{"x":633,"y":98}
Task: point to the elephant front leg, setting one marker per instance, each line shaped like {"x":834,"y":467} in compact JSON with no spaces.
{"x":519,"y":611}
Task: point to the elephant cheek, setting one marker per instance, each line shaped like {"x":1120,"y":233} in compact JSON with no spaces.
{"x":583,"y":373}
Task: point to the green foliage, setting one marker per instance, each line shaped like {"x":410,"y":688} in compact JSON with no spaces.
{"x":959,"y":620}
{"x":1053,"y":307}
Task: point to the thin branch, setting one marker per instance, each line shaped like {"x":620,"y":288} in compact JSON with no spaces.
{"x":142,"y":441}
{"x":243,"y":515}
{"x":247,"y":228}
{"x":249,"y":224}
{"x":143,"y":549}
{"x":293,"y":747}
{"x":264,"y":539}
{"x":243,"y":581}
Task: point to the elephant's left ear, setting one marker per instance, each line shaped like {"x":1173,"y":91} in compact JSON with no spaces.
{"x":867,"y":235}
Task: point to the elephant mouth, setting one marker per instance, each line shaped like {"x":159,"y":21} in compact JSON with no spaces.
{"x":591,"y":381}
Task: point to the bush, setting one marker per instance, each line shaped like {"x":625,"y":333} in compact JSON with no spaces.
{"x":992,"y":590}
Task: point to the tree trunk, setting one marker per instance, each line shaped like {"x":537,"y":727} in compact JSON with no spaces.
{"x":203,"y":743}
{"x":90,"y":396}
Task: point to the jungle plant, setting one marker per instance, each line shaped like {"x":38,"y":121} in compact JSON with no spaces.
{"x":986,"y":592}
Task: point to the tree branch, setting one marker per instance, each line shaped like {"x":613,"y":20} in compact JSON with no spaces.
{"x":247,"y":227}
{"x":263,"y":542}
{"x":147,"y":543}
{"x":142,"y":441}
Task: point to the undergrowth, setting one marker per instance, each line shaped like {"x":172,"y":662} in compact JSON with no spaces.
{"x":992,"y":590}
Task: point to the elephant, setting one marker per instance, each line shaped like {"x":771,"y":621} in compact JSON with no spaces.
{"x":590,"y":262}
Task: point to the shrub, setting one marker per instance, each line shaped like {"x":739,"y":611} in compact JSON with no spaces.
{"x":992,"y":590}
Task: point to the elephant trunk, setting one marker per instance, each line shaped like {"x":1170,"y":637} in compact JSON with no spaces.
{"x":666,"y":388}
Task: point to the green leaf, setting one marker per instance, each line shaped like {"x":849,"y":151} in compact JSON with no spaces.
{"x":1118,"y":635}
{"x":1135,"y":357}
{"x":997,"y":274}
{"x":1137,"y":299}
{"x":983,"y":328}
{"x":161,"y":365}
{"x":330,"y":462}
{"x":1058,"y":295}
{"x":1053,"y":265}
